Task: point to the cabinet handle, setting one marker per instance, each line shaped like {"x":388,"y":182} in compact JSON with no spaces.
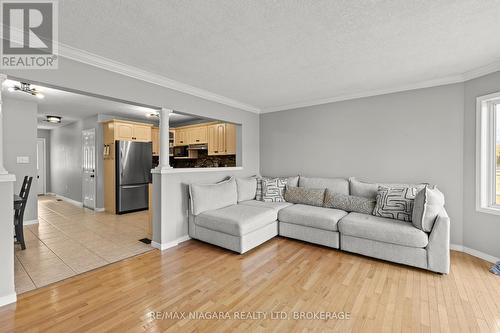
{"x":197,"y":140}
{"x":133,"y":138}
{"x":216,"y":151}
{"x":182,"y":141}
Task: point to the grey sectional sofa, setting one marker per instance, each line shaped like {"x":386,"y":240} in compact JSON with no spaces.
{"x":222,"y":215}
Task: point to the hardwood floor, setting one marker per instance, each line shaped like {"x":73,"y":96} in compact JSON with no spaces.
{"x":281,"y":275}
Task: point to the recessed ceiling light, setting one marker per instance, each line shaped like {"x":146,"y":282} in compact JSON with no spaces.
{"x":54,"y":119}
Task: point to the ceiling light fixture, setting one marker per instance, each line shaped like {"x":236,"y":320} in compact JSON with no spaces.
{"x":153,"y":114}
{"x":26,"y":88}
{"x":54,"y":119}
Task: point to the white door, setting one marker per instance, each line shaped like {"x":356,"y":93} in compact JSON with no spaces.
{"x":89,"y":168}
{"x":40,"y":165}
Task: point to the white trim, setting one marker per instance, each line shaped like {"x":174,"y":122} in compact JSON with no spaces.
{"x":164,"y":246}
{"x":8,"y":299}
{"x":190,"y":170}
{"x":44,"y":164}
{"x":95,"y":60}
{"x":469,"y":75}
{"x":486,"y":155}
{"x":7,"y":178}
{"x":99,"y":210}
{"x":30,"y":222}
{"x":475,"y":253}
{"x":71,"y":201}
{"x":96,"y":166}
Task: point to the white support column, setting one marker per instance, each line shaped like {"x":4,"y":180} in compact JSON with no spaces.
{"x":3,"y":77}
{"x":7,"y":289}
{"x":165,"y":139}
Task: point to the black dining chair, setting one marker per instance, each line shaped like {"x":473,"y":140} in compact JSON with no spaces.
{"x":19,"y":210}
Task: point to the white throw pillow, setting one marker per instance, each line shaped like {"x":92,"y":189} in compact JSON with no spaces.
{"x":428,"y":203}
{"x":212,"y":196}
{"x":247,"y":188}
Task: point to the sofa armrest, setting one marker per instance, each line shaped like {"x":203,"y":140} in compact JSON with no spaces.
{"x":438,"y":249}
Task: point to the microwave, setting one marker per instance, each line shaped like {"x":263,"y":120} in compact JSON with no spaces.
{"x":181,"y":151}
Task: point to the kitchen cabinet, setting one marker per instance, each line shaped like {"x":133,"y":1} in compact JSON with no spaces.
{"x":155,"y":139}
{"x":197,"y":135}
{"x":217,"y":139}
{"x":181,"y":137}
{"x":230,"y":139}
{"x":129,"y":131}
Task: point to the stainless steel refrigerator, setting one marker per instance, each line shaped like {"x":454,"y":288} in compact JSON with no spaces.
{"x":133,"y":175}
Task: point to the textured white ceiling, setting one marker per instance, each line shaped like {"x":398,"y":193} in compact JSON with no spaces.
{"x":73,"y":107}
{"x":274,"y":53}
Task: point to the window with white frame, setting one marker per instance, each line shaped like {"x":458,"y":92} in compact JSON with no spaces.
{"x":488,"y":154}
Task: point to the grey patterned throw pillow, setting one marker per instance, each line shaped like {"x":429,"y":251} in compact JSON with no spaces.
{"x":395,"y":202}
{"x":349,"y":203}
{"x":273,"y":189}
{"x":305,"y":196}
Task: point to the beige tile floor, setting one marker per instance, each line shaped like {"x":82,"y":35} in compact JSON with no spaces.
{"x":69,"y":240}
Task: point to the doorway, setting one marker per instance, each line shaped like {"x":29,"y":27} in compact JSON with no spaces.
{"x":89,"y":168}
{"x":40,"y":166}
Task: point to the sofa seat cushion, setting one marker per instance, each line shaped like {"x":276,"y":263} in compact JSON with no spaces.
{"x":277,"y":206}
{"x":236,"y":220}
{"x":312,"y":216}
{"x":383,"y":230}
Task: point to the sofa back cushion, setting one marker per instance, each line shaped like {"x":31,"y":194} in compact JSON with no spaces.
{"x":428,"y":203}
{"x":305,"y":196}
{"x":395,"y":202}
{"x":247,"y":188}
{"x":206,"y":197}
{"x":369,"y":190}
{"x":291,"y":181}
{"x":336,"y":185}
{"x":349,"y":203}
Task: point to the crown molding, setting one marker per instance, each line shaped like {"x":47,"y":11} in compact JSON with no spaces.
{"x":469,"y":75}
{"x":95,"y":60}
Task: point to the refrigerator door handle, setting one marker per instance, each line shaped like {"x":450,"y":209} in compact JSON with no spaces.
{"x":131,"y":186}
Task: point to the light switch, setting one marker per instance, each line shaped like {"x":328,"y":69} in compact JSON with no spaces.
{"x":23,"y":159}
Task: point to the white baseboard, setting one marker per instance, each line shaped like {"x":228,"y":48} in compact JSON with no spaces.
{"x":7,"y":299}
{"x":99,"y":210}
{"x":164,"y":246}
{"x":474,"y":253}
{"x":71,"y":201}
{"x":29,"y":222}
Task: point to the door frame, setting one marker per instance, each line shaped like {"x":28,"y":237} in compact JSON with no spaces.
{"x":95,"y":169}
{"x":44,"y":164}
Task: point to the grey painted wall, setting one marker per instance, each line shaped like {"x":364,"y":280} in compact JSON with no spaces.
{"x":45,"y":134}
{"x":413,"y":136}
{"x":19,"y":126}
{"x":481,"y":230}
{"x":66,"y":160}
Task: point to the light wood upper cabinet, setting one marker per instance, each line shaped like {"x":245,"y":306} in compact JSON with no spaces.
{"x":155,"y":139}
{"x":141,"y":133}
{"x":217,"y":139}
{"x":128,"y":131}
{"x":124,"y":131}
{"x":230,"y":139}
{"x":197,"y":135}
{"x":181,"y":137}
